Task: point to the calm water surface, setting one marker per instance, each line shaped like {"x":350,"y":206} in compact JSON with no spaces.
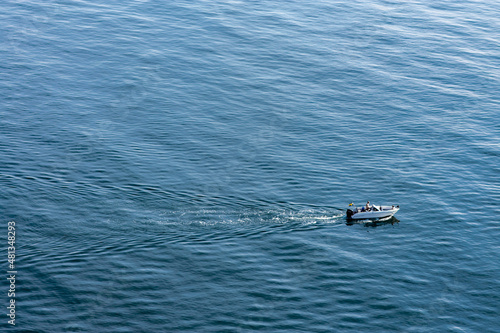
{"x":184,"y":166}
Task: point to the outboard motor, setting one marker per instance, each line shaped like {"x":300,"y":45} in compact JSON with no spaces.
{"x":350,"y":213}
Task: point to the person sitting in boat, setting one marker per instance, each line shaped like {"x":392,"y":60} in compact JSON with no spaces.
{"x":368,"y":206}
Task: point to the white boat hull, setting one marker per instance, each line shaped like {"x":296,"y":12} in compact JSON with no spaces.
{"x":386,"y":212}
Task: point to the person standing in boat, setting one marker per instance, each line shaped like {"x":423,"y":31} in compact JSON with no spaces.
{"x":368,"y":206}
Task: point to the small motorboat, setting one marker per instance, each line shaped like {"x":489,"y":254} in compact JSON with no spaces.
{"x":371,"y":212}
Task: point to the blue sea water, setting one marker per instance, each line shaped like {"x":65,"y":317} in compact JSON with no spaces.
{"x":184,"y":166}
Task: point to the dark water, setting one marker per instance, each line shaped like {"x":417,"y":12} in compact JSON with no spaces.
{"x":184,"y":166}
